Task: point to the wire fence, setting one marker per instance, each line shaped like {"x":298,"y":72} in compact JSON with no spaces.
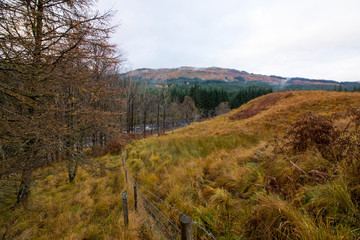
{"x":167,"y":228}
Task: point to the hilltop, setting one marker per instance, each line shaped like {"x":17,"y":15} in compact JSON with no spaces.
{"x":283,"y":166}
{"x":216,"y":73}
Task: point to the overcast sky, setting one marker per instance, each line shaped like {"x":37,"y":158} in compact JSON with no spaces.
{"x":290,"y":38}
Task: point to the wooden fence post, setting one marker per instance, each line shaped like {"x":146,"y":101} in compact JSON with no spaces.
{"x":186,"y":228}
{"x":125,"y":209}
{"x":123,"y":158}
{"x":135,"y":197}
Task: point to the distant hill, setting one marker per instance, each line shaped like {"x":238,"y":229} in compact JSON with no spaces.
{"x":223,"y":74}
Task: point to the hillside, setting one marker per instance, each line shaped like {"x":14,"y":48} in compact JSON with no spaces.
{"x":215,"y":73}
{"x":90,"y":209}
{"x":283,"y":166}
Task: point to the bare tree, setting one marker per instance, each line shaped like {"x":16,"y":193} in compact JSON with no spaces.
{"x":188,"y":109}
{"x":147,"y":103}
{"x":132,"y":96}
{"x":53,"y":56}
{"x":174,"y":113}
{"x":222,"y":108}
{"x":164,"y":100}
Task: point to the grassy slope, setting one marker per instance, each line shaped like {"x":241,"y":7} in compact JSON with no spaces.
{"x":90,"y":209}
{"x":229,"y":174}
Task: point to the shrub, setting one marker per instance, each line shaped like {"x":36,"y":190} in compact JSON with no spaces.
{"x":354,"y":114}
{"x":348,"y":153}
{"x":114,"y":146}
{"x":311,"y":130}
{"x":98,"y":151}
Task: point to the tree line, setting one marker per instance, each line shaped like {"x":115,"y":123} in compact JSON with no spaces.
{"x":340,"y":88}
{"x":207,"y":99}
{"x":157,"y":108}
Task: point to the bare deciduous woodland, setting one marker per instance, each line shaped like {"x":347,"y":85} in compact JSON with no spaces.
{"x":57,"y":85}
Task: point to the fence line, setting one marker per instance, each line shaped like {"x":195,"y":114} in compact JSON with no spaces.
{"x":131,"y":179}
{"x":160,"y":212}
{"x":149,"y":219}
{"x":209,"y":234}
{"x":161,"y":200}
{"x":151,"y":209}
{"x":157,"y":219}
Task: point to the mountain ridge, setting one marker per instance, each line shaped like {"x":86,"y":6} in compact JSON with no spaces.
{"x":217,"y":73}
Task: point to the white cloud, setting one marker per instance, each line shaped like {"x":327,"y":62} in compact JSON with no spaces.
{"x":307,"y":38}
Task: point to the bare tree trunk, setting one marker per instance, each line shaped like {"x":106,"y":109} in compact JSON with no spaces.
{"x":128,"y":116}
{"x":144,"y":121}
{"x":152,"y":126}
{"x":132,"y":116}
{"x":72,"y":162}
{"x":73,"y":165}
{"x":24,"y":189}
{"x":164,"y":118}
{"x":102,"y":139}
{"x":94,"y":140}
{"x":105,"y":140}
{"x":158,"y":119}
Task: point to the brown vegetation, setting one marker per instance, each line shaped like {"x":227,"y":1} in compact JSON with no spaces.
{"x":249,"y":179}
{"x":311,"y":130}
{"x":89,"y":209}
{"x":262,"y":104}
{"x":118,"y":142}
{"x":238,"y":179}
{"x":202,"y":73}
{"x":314,"y":82}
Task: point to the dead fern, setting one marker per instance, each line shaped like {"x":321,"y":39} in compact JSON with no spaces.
{"x":312,"y":131}
{"x":348,"y":151}
{"x":354,"y":114}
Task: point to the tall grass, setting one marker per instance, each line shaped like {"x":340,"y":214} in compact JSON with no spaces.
{"x":238,"y":183}
{"x":238,"y":179}
{"x":89,"y":209}
{"x":185,"y":147}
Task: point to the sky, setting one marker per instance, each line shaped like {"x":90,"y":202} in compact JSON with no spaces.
{"x":317,"y":39}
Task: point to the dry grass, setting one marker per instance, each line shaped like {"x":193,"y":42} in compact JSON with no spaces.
{"x":234,"y":176}
{"x":259,"y":106}
{"x":89,"y":209}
